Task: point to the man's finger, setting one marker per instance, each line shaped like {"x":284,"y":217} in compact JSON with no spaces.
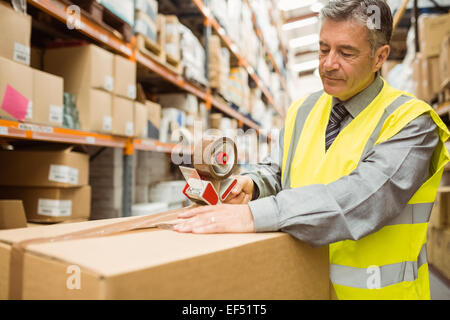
{"x":193,"y":212}
{"x":236,"y":200}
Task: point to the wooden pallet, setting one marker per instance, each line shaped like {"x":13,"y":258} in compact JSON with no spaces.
{"x":150,"y":48}
{"x":104,"y":17}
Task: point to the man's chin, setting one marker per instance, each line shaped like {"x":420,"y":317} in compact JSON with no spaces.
{"x":333,"y":90}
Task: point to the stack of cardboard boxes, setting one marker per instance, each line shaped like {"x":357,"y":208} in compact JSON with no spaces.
{"x":145,"y":20}
{"x":427,"y":74}
{"x":52,"y":182}
{"x":219,"y":65}
{"x":438,"y":244}
{"x":192,"y":56}
{"x":170,"y":32}
{"x":104,"y":85}
{"x":106,"y":180}
{"x":26,"y":94}
{"x":238,"y":89}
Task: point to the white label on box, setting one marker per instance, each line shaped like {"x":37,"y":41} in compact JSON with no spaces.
{"x":35,"y":128}
{"x":55,"y":208}
{"x":129,"y":128}
{"x":29,"y":114}
{"x":107,"y":123}
{"x":109,"y":83}
{"x":21,"y":53}
{"x":4,"y":131}
{"x":56,"y":114}
{"x":63,"y":174}
{"x":132,"y":91}
{"x":90,"y":140}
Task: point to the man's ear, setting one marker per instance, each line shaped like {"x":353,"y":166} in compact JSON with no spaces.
{"x":381,"y":56}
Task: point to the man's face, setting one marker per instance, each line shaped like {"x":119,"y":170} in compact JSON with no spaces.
{"x":345,"y":65}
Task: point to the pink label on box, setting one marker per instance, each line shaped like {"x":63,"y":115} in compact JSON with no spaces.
{"x":15,"y":103}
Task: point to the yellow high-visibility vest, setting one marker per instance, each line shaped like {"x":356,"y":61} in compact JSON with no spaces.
{"x":390,"y":263}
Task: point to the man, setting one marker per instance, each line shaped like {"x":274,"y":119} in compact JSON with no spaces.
{"x":359,"y":169}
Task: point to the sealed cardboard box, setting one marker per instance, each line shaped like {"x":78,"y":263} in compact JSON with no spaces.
{"x":12,"y":215}
{"x":58,"y":166}
{"x":162,"y":264}
{"x":140,"y":120}
{"x":124,"y":77}
{"x":432,"y":30}
{"x":154,"y":113}
{"x":122,"y":117}
{"x":440,"y":214}
{"x":444,"y":61}
{"x":47,"y":99}
{"x":430,"y":77}
{"x":51,"y":205}
{"x":16,"y":34}
{"x":95,"y":110}
{"x":90,"y":67}
{"x":16,"y":90}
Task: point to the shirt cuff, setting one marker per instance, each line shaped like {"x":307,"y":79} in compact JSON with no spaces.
{"x":265,"y":214}
{"x":257,"y":184}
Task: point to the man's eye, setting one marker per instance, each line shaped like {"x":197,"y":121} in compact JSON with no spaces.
{"x":324,"y":51}
{"x":346,"y":55}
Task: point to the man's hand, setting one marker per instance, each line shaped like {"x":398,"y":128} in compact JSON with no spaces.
{"x":242,"y":191}
{"x":224,"y":218}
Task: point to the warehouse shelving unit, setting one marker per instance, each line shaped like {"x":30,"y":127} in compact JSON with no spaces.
{"x":35,"y":132}
{"x":210,"y":20}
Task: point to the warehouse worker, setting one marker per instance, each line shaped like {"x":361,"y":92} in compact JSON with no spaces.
{"x":359,"y":168}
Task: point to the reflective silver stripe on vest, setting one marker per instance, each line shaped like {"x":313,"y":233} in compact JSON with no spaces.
{"x":388,"y":274}
{"x":413,"y":213}
{"x":300,"y":120}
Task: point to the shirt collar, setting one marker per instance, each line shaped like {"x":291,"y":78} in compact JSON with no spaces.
{"x":359,"y":102}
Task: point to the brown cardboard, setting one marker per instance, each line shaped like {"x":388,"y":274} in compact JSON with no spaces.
{"x":444,"y":61}
{"x":441,"y":250}
{"x":140,"y":120}
{"x":90,"y":67}
{"x":12,"y":215}
{"x":430,"y":77}
{"x":47,"y":99}
{"x":17,"y":76}
{"x":446,"y":255}
{"x":172,"y":36}
{"x":154,"y":113}
{"x":95,"y":110}
{"x":440,"y":214}
{"x":16,"y":34}
{"x":36,"y":58}
{"x":432,"y":30}
{"x":122,"y":117}
{"x":124,"y":77}
{"x":417,"y":77}
{"x":51,"y":204}
{"x":162,"y":264}
{"x":57,"y":167}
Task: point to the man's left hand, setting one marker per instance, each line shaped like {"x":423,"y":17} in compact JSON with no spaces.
{"x":223,"y":218}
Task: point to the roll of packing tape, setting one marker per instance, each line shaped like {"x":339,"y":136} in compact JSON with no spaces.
{"x":219,"y":157}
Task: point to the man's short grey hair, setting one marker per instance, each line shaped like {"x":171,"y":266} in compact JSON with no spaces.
{"x":374,"y":14}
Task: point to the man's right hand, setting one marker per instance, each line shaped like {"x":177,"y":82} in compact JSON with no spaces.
{"x":242,"y":191}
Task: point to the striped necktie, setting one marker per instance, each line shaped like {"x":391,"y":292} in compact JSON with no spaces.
{"x":338,"y":113}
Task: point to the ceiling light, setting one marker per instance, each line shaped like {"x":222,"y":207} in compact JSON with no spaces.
{"x":300,"y":23}
{"x":304,"y":41}
{"x":305,"y":66}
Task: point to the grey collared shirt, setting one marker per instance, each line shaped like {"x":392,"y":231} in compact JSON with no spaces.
{"x":381,"y":185}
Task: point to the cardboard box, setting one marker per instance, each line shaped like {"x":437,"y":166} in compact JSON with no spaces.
{"x":432,"y":30}
{"x":162,"y":264}
{"x":51,"y":205}
{"x":444,"y":61}
{"x":16,"y":90}
{"x":440,"y":214}
{"x":36,"y":58}
{"x":140,"y":120}
{"x":430,"y":77}
{"x":446,"y":254}
{"x":122,"y":117}
{"x":172,"y":36}
{"x":441,"y":250}
{"x":106,"y":176}
{"x":124,"y":77}
{"x":16,"y":34}
{"x":58,"y":166}
{"x":95,"y":110}
{"x":146,"y":26}
{"x":12,"y":215}
{"x":109,"y":157}
{"x":48,"y":107}
{"x":90,"y":67}
{"x":154,"y":113}
{"x":183,"y":101}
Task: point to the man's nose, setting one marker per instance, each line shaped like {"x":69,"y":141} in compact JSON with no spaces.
{"x":330,"y":62}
